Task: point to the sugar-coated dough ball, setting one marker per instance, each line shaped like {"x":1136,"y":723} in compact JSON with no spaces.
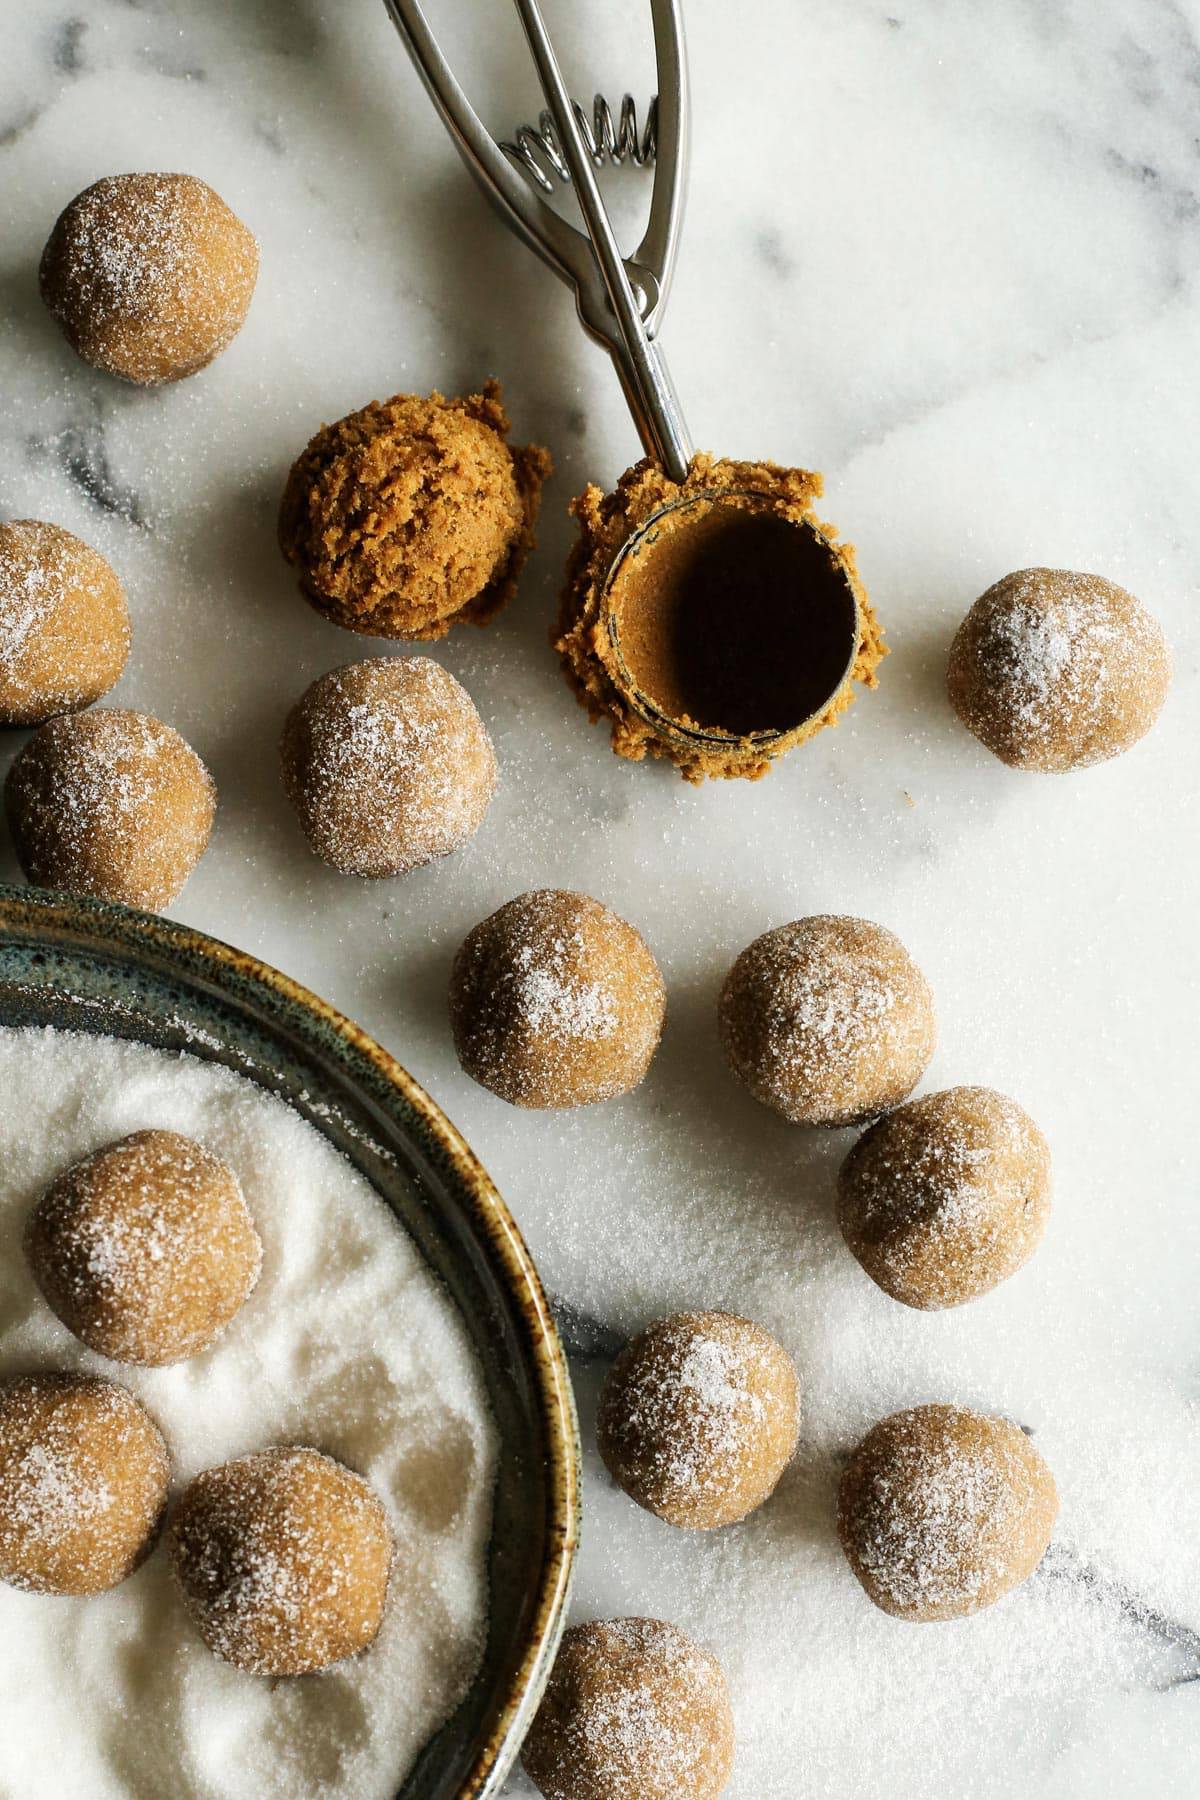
{"x":283,"y":1557}
{"x":412,"y":514}
{"x":946,"y":1196}
{"x":146,"y":1249}
{"x":83,"y":1483}
{"x":942,"y":1510}
{"x":387,"y":764}
{"x":150,"y":276}
{"x":828,"y":1020}
{"x":699,"y":1418}
{"x":1054,"y":670}
{"x":64,"y":623}
{"x":110,"y":802}
{"x":555,"y":1001}
{"x":633,"y":1710}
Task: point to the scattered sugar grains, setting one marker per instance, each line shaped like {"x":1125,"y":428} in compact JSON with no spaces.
{"x":347,"y":1344}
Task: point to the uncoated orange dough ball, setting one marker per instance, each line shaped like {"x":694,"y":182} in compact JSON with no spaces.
{"x":146,"y":1249}
{"x":412,"y":514}
{"x":83,"y":1483}
{"x":110,"y":802}
{"x":633,"y":1710}
{"x":555,"y":1001}
{"x":64,"y":623}
{"x":827,"y":1020}
{"x":942,"y":1510}
{"x":150,"y":276}
{"x":947,"y":1196}
{"x":388,"y":765}
{"x":699,"y":1417}
{"x":1055,"y":670}
{"x":284,"y":1558}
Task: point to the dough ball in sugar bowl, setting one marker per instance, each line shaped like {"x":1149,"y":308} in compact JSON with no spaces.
{"x":283,"y":1558}
{"x":83,"y":1483}
{"x":145,"y":1250}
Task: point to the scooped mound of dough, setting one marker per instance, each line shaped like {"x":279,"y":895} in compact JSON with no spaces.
{"x":699,"y":1418}
{"x":412,"y":514}
{"x":83,"y":1483}
{"x":110,"y":802}
{"x":150,"y":276}
{"x":633,"y":1710}
{"x":827,"y":1020}
{"x":146,"y":1249}
{"x":942,"y":1511}
{"x":388,"y":765}
{"x":283,"y":1557}
{"x":64,"y":624}
{"x":947,"y":1196}
{"x":1054,"y":670}
{"x":555,"y":1001}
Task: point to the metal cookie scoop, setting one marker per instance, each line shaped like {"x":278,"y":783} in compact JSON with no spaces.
{"x":687,"y":672}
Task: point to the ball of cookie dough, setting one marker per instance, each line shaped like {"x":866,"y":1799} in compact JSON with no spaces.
{"x":283,"y":1557}
{"x":388,"y":765}
{"x":83,"y":1483}
{"x":555,"y":1001}
{"x":146,"y":1249}
{"x":110,"y":802}
{"x":699,"y":1417}
{"x":947,"y":1196}
{"x":827,"y":1020}
{"x":412,"y":514}
{"x":1054,"y":670}
{"x":632,"y":1708}
{"x":150,"y":276}
{"x":64,"y":624}
{"x":942,"y":1510}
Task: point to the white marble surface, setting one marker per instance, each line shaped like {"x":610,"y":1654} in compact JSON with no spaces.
{"x":950,"y":255}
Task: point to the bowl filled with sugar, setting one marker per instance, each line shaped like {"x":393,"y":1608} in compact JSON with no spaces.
{"x":288,"y":1454}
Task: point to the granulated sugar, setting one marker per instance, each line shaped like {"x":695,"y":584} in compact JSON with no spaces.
{"x":347,"y":1344}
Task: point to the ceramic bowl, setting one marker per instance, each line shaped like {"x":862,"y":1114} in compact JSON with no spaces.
{"x":85,"y":966}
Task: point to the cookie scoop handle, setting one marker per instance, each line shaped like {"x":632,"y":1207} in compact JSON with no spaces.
{"x":620,"y":300}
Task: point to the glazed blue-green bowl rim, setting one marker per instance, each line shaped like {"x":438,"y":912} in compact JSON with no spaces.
{"x":89,"y":965}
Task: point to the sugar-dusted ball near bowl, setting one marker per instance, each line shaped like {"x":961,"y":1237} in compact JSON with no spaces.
{"x":388,"y":765}
{"x":146,"y":1249}
{"x":1056,"y":670}
{"x":947,"y":1196}
{"x":110,"y":802}
{"x":150,"y":276}
{"x":942,"y":1511}
{"x":699,"y":1417}
{"x":633,"y":1710}
{"x":83,"y":1483}
{"x":283,"y":1558}
{"x":827,"y":1020}
{"x":555,"y":1001}
{"x":64,"y":623}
